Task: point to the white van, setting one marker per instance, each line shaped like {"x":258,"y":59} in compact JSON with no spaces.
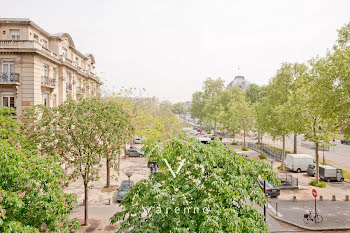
{"x":298,"y":162}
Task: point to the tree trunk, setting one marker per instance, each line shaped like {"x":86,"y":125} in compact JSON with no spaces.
{"x":283,"y":150}
{"x":244,"y":137}
{"x":125,"y":151}
{"x":295,"y":149}
{"x":86,"y":204}
{"x":259,"y":141}
{"x":215,"y":127}
{"x":108,"y":174}
{"x":317,"y":167}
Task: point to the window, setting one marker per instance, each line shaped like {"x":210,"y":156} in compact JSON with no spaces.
{"x":77,"y":61}
{"x":14,"y":34}
{"x":78,"y":82}
{"x":45,"y":43}
{"x":68,"y":78}
{"x":64,"y":52}
{"x":46,"y":100}
{"x":46,"y":71}
{"x":8,"y":100}
{"x":54,"y":101}
{"x":8,"y":67}
{"x":36,"y":38}
{"x":54,"y":73}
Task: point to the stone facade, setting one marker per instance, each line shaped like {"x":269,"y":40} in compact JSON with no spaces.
{"x":42,"y":68}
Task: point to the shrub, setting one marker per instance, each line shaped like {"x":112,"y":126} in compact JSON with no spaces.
{"x":280,"y":168}
{"x":320,"y":185}
{"x":244,"y":148}
{"x":234,"y":143}
{"x":220,"y":138}
{"x":262,"y":157}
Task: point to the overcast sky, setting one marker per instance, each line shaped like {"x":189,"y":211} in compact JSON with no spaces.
{"x":170,"y":47}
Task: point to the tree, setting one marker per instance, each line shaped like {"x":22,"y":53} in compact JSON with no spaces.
{"x":179,"y":108}
{"x":276,"y":113}
{"x":213,"y":191}
{"x":9,"y":127}
{"x":77,"y":132}
{"x":117,"y":129}
{"x":197,"y":106}
{"x":241,"y":112}
{"x":31,"y":194}
{"x":317,"y":98}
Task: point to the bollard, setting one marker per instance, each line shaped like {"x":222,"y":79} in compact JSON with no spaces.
{"x":346,"y":197}
{"x":333,"y":197}
{"x":109,"y":201}
{"x":276,"y":209}
{"x":294,"y":198}
{"x":321,"y":198}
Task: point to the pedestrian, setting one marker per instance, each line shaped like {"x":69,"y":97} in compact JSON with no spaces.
{"x":151,"y":167}
{"x":155,"y":168}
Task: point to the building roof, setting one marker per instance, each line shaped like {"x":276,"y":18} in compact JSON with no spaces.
{"x":240,"y":82}
{"x":55,"y":35}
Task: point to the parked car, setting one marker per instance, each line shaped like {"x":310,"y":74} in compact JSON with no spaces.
{"x":271,"y":190}
{"x":204,"y":139}
{"x":311,"y":169}
{"x":298,"y":162}
{"x":123,"y":189}
{"x":345,"y":141}
{"x":134,"y":152}
{"x":138,"y":140}
{"x":329,"y":173}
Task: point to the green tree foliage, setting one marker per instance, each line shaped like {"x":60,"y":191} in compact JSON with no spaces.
{"x":80,"y":133}
{"x":179,"y":108}
{"x":213,"y":191}
{"x":9,"y":127}
{"x":205,"y":104}
{"x":31,"y":193}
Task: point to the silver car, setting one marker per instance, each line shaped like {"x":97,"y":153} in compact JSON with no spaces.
{"x":134,"y":152}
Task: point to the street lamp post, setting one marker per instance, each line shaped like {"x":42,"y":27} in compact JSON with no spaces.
{"x":128,"y":174}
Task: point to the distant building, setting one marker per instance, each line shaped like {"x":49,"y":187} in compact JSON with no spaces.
{"x":240,"y":82}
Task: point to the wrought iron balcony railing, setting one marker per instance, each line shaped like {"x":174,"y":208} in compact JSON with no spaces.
{"x":9,"y":78}
{"x":48,"y":81}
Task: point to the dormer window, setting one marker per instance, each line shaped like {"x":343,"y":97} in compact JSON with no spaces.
{"x":45,"y":43}
{"x":64,"y":52}
{"x":36,"y":38}
{"x":14,"y":34}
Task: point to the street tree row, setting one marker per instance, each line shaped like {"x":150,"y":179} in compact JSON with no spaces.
{"x":310,"y":98}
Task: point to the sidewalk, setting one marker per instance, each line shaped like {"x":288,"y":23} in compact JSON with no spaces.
{"x":338,"y":156}
{"x":336,"y":214}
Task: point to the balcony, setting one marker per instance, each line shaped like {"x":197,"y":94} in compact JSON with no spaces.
{"x":48,"y":82}
{"x":9,"y":78}
{"x":68,"y":87}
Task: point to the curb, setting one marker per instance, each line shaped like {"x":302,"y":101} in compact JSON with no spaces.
{"x":273,"y":215}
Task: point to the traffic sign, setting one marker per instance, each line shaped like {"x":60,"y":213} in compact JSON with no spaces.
{"x":314,"y":192}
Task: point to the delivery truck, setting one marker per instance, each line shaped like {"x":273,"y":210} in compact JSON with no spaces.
{"x":329,"y":173}
{"x":298,"y":162}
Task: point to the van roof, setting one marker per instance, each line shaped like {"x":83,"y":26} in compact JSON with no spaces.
{"x":301,"y":155}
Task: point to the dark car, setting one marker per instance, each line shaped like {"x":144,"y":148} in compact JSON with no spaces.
{"x":345,"y":141}
{"x":271,"y":190}
{"x":134,"y":152}
{"x":123,"y":189}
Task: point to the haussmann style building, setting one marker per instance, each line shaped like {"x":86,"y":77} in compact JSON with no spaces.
{"x":42,"y":68}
